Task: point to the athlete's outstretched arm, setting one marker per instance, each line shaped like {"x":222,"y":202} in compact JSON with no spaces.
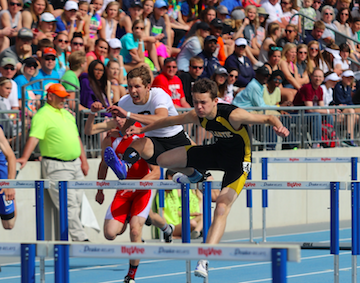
{"x":187,"y":118}
{"x":154,"y":173}
{"x":241,"y":116}
{"x":93,"y":129}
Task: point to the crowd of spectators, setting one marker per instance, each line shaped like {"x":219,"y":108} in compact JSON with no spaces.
{"x":238,"y":44}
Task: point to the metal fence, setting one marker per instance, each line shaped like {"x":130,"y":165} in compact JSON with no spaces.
{"x":306,"y":129}
{"x":10,"y":123}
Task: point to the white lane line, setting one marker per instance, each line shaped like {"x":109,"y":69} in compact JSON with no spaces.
{"x":282,"y":235}
{"x":87,"y":268}
{"x":226,"y":267}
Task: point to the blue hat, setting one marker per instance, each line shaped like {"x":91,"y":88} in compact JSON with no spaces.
{"x":210,"y":38}
{"x":160,"y":4}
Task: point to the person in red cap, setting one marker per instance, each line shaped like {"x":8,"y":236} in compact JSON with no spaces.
{"x":63,"y":155}
{"x":47,"y":72}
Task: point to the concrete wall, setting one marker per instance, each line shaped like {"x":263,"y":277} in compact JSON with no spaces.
{"x":285,"y":207}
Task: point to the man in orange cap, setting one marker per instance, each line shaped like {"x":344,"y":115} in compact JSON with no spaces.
{"x":47,"y":72}
{"x":63,"y":156}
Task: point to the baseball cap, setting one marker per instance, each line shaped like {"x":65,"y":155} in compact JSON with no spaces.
{"x":25,"y":33}
{"x":210,"y":38}
{"x":49,"y":51}
{"x":347,"y":73}
{"x":160,"y":4}
{"x":203,"y":26}
{"x":136,"y":3}
{"x":30,"y":61}
{"x":238,"y":15}
{"x":217,"y":23}
{"x":240,"y":41}
{"x":221,"y":71}
{"x":263,"y":70}
{"x":332,"y":77}
{"x":221,"y":9}
{"x":115,"y":43}
{"x":8,"y":61}
{"x":71,"y":5}
{"x":47,"y":17}
{"x":58,"y":90}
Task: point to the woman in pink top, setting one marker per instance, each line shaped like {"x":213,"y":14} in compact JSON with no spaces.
{"x":100,"y":52}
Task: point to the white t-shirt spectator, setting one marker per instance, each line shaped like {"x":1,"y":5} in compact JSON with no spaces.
{"x":275,"y":11}
{"x":12,"y":100}
{"x":327,"y":95}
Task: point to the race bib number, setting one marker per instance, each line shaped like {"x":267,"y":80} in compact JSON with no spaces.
{"x":247,"y":167}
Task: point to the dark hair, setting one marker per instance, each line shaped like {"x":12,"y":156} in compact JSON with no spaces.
{"x":77,"y":34}
{"x":45,"y":42}
{"x":99,"y":40}
{"x":356,"y":19}
{"x":206,"y":85}
{"x":221,"y":88}
{"x":349,"y":20}
{"x":204,"y":13}
{"x":272,"y":49}
{"x":277,"y":73}
{"x":98,"y":86}
{"x":169,"y":172}
{"x":230,"y":69}
{"x":169,"y":60}
{"x":143,"y":73}
{"x":344,"y":47}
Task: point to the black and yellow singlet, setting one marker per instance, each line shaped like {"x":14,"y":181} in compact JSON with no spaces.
{"x":230,"y":153}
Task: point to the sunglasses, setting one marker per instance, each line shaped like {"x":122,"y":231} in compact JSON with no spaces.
{"x":276,"y":48}
{"x":233,"y":76}
{"x":171,"y":67}
{"x":78,"y":43}
{"x":139,"y":28}
{"x":50,"y":58}
{"x":289,"y":31}
{"x":277,"y":80}
{"x":99,"y":70}
{"x":62,"y":40}
{"x":302,"y":52}
{"x":31,"y":66}
{"x":197,"y":67}
{"x":15,"y":4}
{"x":12,"y":68}
{"x":327,"y":14}
{"x":343,"y":14}
{"x":284,"y":3}
{"x":317,"y":2}
{"x":314,"y":49}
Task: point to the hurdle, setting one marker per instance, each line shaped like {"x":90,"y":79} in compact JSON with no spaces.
{"x":39,"y":187}
{"x":279,"y":254}
{"x":333,"y":187}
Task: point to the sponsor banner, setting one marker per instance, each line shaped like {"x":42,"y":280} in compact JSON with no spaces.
{"x":95,"y":250}
{"x":10,"y":249}
{"x":17,"y":184}
{"x":124,"y":184}
{"x":309,"y":160}
{"x":184,"y":251}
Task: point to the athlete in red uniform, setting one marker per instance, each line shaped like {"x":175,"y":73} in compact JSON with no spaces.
{"x":128,"y":205}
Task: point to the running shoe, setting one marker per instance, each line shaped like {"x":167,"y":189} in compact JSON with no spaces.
{"x":201,"y":269}
{"x":127,"y":279}
{"x":169,"y":237}
{"x":118,"y":166}
{"x":181,"y":178}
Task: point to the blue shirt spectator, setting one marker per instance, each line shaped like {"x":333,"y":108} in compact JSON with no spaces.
{"x":240,"y":62}
{"x":128,"y":42}
{"x":342,"y":93}
{"x":211,"y":63}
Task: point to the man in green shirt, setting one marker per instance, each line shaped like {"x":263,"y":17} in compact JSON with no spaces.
{"x":77,"y":65}
{"x":63,"y":156}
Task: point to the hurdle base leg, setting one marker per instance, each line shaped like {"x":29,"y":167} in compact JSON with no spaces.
{"x":354,"y":268}
{"x":336,"y":268}
{"x":188,"y":271}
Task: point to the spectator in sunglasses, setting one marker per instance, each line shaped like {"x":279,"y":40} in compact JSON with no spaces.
{"x":61,"y":43}
{"x":316,"y":5}
{"x":77,"y":42}
{"x":188,"y":79}
{"x":28,"y":72}
{"x":47,"y":71}
{"x":11,"y":18}
{"x":22,"y":48}
{"x":8,"y":70}
{"x":291,"y":34}
{"x":328,"y":15}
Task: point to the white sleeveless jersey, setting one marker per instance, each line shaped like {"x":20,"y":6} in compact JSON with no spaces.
{"x":158,"y":98}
